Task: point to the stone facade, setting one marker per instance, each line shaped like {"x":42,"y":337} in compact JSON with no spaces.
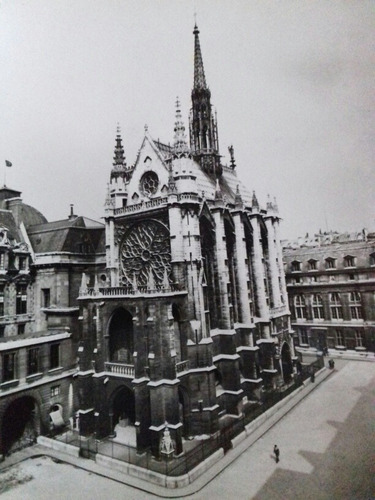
{"x":192,"y":321}
{"x":41,"y":265}
{"x":331,"y":285}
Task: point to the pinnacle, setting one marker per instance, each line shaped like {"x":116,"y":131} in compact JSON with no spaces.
{"x":199,"y":76}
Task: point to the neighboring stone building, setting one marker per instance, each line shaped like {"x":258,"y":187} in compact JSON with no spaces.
{"x":331,"y":289}
{"x":192,"y":321}
{"x":41,"y":265}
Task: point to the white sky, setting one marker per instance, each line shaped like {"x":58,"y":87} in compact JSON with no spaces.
{"x":292,"y":82}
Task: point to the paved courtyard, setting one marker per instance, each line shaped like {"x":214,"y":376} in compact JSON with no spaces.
{"x":327,"y":446}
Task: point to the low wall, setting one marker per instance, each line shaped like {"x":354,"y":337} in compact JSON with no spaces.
{"x":58,"y":446}
{"x":155,"y":477}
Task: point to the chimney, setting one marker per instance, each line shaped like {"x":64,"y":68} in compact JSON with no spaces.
{"x":72,"y":215}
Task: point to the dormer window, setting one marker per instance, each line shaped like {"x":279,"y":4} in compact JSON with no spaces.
{"x":312,"y":265}
{"x":372,"y":259}
{"x":296,"y":266}
{"x":349,"y":261}
{"x":330,"y":263}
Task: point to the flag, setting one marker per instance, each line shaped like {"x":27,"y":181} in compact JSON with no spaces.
{"x":8,"y":163}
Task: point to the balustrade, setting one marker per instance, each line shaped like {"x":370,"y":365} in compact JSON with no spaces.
{"x":120,"y":369}
{"x":141,"y":206}
{"x":119,"y":291}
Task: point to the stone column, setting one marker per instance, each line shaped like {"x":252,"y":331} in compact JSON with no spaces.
{"x":222,"y":268}
{"x":280,"y":257}
{"x":273,"y":262}
{"x":258,"y":268}
{"x":242,"y":269}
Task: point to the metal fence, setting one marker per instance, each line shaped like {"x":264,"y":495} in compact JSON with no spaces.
{"x":200,"y":450}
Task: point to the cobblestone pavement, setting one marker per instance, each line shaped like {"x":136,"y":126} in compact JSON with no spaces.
{"x":327,"y":448}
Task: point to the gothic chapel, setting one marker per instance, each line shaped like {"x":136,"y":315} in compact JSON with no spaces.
{"x":189,"y":323}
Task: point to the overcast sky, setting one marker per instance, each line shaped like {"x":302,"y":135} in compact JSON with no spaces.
{"x":292,"y":82}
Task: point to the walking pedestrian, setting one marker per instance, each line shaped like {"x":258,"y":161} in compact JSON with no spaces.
{"x":276,"y":452}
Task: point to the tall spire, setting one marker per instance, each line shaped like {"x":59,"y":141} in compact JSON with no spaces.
{"x":179,"y":145}
{"x":204,"y":140}
{"x":199,"y":77}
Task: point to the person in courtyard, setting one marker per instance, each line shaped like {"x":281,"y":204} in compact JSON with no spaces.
{"x":276,"y":452}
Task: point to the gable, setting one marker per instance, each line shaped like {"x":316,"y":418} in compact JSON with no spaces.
{"x":150,"y":175}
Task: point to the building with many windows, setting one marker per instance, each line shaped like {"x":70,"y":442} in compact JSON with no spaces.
{"x":41,"y":265}
{"x":331,"y":289}
{"x":191,"y":323}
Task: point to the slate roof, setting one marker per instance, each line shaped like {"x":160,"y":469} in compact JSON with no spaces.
{"x":228,"y":180}
{"x":75,"y":235}
{"x":30,"y":215}
{"x":7,"y":221}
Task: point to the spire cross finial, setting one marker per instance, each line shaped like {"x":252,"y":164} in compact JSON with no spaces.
{"x":199,"y":76}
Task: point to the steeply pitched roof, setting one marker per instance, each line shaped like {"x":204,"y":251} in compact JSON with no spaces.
{"x":7,"y":221}
{"x":75,"y":235}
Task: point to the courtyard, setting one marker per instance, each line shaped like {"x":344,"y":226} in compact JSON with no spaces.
{"x":327,"y":452}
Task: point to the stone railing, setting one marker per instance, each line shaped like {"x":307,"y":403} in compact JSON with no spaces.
{"x":189,"y":197}
{"x":120,"y":291}
{"x":141,"y":206}
{"x":183,"y":366}
{"x":120,"y":369}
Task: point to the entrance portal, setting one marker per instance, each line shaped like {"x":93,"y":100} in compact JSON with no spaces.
{"x":124,"y":416}
{"x":20,"y":424}
{"x":121,"y":342}
{"x":124,"y":407}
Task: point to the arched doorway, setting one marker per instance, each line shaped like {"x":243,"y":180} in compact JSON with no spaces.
{"x":20,"y":424}
{"x":286,"y":360}
{"x":123,"y":409}
{"x":121,"y":339}
{"x":123,"y":406}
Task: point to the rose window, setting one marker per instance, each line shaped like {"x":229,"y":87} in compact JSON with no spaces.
{"x":145,"y":252}
{"x":149,"y":183}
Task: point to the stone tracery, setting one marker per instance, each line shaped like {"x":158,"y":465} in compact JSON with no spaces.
{"x":145,"y":249}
